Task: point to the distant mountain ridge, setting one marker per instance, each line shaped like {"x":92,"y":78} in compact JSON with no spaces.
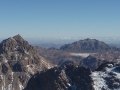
{"x":88,"y":45}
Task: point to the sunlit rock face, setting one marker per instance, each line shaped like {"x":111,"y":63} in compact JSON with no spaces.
{"x":18,"y":62}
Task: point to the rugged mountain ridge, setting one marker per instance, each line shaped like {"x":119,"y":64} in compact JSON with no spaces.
{"x":18,"y":62}
{"x":22,"y":68}
{"x":88,"y":45}
{"x":70,"y":77}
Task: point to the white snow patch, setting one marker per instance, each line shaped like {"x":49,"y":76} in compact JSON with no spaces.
{"x":26,"y":58}
{"x":5,"y":60}
{"x":27,"y":52}
{"x":99,"y":82}
{"x":21,"y":87}
{"x":68,"y":84}
{"x":98,"y":77}
{"x":12,"y":77}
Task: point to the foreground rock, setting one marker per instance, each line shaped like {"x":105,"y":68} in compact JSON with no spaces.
{"x":18,"y":62}
{"x":106,"y":77}
{"x":68,"y":77}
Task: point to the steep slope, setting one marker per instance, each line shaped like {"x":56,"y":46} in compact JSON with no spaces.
{"x":88,"y":45}
{"x":18,"y":62}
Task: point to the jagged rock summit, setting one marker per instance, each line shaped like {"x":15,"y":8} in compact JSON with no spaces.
{"x":88,"y":45}
{"x":18,"y":62}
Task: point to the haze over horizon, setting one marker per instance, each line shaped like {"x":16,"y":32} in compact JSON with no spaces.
{"x":60,"y":18}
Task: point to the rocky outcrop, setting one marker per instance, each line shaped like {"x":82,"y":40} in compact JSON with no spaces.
{"x":67,"y":77}
{"x":88,"y":45}
{"x":18,"y":62}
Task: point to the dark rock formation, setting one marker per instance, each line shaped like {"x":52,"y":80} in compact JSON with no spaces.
{"x":68,"y":77}
{"x":91,"y":62}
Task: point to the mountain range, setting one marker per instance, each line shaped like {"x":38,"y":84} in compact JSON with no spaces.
{"x":25,"y":67}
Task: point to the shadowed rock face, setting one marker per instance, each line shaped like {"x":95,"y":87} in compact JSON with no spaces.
{"x":18,"y":62}
{"x":88,"y":45}
{"x":68,"y":77}
{"x":91,"y":62}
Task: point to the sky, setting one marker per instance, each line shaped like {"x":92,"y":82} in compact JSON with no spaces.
{"x":60,"y":18}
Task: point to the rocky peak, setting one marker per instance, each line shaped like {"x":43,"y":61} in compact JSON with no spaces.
{"x":20,"y":40}
{"x":14,"y":43}
{"x":18,"y":62}
{"x":18,"y":37}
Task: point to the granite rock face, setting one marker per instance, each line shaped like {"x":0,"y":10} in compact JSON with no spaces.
{"x":19,"y":61}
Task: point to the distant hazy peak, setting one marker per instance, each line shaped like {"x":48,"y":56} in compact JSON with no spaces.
{"x":88,"y":45}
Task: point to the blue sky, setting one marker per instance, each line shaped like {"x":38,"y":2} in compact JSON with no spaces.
{"x":60,"y":18}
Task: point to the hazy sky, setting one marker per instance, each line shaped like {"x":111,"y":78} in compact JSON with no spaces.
{"x":60,"y":18}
